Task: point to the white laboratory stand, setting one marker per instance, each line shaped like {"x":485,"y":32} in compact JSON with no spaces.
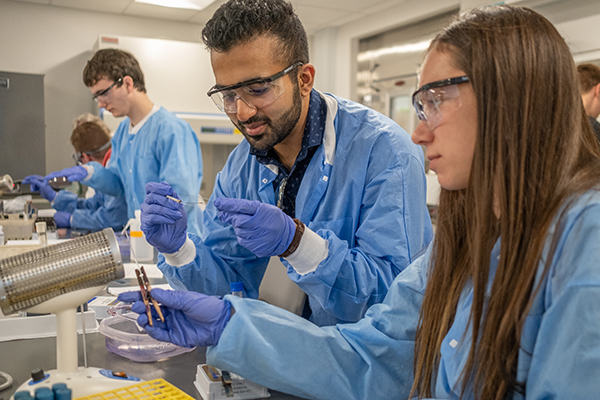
{"x":82,"y":381}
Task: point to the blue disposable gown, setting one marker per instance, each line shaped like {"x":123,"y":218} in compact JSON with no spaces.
{"x":363,"y":191}
{"x":94,"y":214}
{"x":164,"y":149}
{"x":373,"y":359}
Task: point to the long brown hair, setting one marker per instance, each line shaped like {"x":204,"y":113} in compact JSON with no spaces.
{"x":534,"y":150}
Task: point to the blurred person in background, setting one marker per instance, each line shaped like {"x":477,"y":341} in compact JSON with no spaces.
{"x":589,"y":85}
{"x":91,"y":141}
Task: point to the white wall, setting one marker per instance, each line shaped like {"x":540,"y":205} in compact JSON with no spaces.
{"x":57,"y":42}
{"x":326,"y":64}
{"x":583,"y":37}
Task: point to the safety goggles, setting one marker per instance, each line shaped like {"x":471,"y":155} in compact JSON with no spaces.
{"x":77,"y":154}
{"x":105,"y":91}
{"x":429,"y":100}
{"x":256,"y":93}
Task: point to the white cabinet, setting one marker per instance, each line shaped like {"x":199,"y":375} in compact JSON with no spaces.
{"x":207,"y":127}
{"x":177,"y":74}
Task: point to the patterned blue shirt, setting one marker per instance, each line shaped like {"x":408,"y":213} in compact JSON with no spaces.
{"x":312,"y":138}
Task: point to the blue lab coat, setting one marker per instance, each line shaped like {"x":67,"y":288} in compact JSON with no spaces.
{"x":94,"y":214}
{"x":373,"y":359}
{"x":363,"y":191}
{"x":164,"y":149}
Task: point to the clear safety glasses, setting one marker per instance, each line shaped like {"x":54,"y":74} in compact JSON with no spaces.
{"x":77,"y":154}
{"x":429,"y":100}
{"x":256,"y":93}
{"x":105,"y":91}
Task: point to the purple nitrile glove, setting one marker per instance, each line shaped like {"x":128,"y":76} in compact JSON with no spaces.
{"x":163,"y":221}
{"x":191,"y":318}
{"x":37,"y":183}
{"x":262,"y":228}
{"x":62,"y":219}
{"x":73,"y":174}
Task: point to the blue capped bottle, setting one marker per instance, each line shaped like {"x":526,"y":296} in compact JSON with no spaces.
{"x":237,"y":289}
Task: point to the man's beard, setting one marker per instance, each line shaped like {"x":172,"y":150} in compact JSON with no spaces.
{"x":275,"y":132}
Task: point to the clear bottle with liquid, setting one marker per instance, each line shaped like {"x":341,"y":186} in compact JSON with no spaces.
{"x":1,"y":236}
{"x":140,"y":249}
{"x":40,"y":228}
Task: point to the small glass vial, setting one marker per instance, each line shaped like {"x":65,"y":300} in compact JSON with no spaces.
{"x":40,"y":227}
{"x":237,"y":289}
{"x":1,"y":236}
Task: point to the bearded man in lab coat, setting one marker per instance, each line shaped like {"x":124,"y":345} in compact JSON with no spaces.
{"x":335,"y":189}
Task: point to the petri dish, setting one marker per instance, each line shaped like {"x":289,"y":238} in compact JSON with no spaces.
{"x":124,"y":337}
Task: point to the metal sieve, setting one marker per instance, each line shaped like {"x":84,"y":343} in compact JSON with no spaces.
{"x":31,"y":278}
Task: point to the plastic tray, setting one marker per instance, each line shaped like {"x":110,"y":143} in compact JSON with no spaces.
{"x":155,"y":389}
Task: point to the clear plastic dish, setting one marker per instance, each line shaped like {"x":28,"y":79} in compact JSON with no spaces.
{"x":126,"y":338}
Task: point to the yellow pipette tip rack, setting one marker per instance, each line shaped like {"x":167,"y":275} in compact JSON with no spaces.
{"x":149,"y":390}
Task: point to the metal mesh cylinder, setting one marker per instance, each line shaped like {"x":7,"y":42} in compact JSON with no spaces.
{"x":31,"y":278}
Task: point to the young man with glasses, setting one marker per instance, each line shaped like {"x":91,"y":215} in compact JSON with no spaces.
{"x":334,"y":188}
{"x":91,"y":141}
{"x":150,"y":145}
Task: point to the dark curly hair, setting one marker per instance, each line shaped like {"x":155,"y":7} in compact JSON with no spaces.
{"x":113,"y":64}
{"x":239,"y":21}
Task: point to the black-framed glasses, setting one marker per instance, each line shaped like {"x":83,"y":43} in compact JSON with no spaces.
{"x":256,"y":92}
{"x":428,"y":99}
{"x":105,"y":91}
{"x":78,"y":154}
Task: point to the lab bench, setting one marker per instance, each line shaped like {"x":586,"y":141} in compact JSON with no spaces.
{"x":19,"y":357}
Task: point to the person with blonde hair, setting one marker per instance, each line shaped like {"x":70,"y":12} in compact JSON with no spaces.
{"x":504,"y":304}
{"x":91,"y":140}
{"x":89,"y":117}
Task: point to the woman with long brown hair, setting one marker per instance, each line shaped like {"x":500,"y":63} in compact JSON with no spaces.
{"x":516,"y":258}
{"x":526,"y":168}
